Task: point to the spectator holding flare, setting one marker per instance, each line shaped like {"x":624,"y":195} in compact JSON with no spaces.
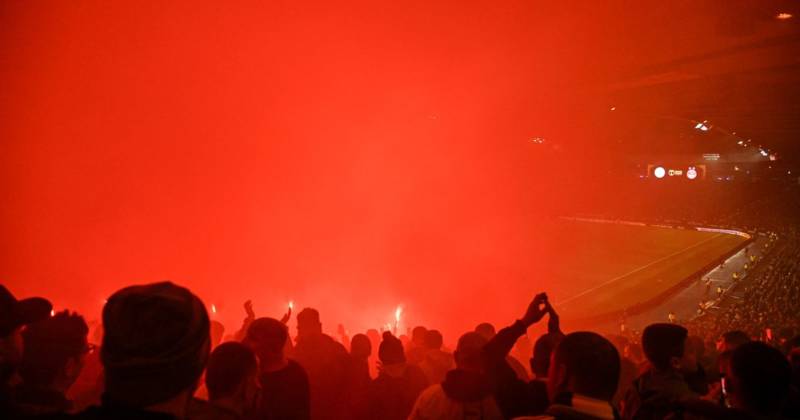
{"x":284,"y":383}
{"x":55,"y":348}
{"x":14,"y":314}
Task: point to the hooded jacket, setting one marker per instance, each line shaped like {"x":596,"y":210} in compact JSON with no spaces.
{"x":462,"y":395}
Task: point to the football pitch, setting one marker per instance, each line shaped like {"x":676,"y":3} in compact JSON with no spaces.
{"x":607,"y":268}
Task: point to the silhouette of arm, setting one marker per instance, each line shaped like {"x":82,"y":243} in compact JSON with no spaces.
{"x":553,"y":324}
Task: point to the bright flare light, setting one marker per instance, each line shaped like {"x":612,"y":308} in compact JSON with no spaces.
{"x":213,"y":308}
{"x":701,"y":127}
{"x":659,"y":172}
{"x":784,"y":16}
{"x":397,"y":313}
{"x":291,"y":304}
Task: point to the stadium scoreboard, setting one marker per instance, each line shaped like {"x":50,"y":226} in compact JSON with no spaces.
{"x":689,"y":172}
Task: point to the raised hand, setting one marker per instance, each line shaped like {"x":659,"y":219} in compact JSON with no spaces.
{"x":552,"y":321}
{"x":287,"y":316}
{"x":248,"y":309}
{"x":536,"y":309}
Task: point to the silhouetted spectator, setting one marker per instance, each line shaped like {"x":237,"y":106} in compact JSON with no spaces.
{"x":487,"y":331}
{"x":232,"y":382}
{"x":154,"y":350}
{"x":360,"y":351}
{"x":652,"y":394}
{"x":359,"y":381}
{"x":54,"y":351}
{"x":415,"y":354}
{"x":759,"y":380}
{"x":392,"y":394}
{"x":733,"y":339}
{"x":14,"y":314}
{"x":326,"y":362}
{"x":465,"y":393}
{"x":583,"y":378}
{"x":284,"y":384}
{"x":693,"y":371}
{"x":516,"y":397}
{"x":436,"y":362}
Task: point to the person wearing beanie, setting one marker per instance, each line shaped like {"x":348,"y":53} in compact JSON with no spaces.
{"x":465,"y":392}
{"x":154,"y":350}
{"x":662,"y":383}
{"x":392,"y":394}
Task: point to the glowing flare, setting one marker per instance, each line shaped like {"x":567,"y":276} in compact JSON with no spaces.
{"x":213,"y":308}
{"x":291,"y":304}
{"x":397,"y":313}
{"x":784,"y":16}
{"x":52,"y":312}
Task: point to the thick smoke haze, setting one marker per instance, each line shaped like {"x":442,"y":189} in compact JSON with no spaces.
{"x":350,"y":157}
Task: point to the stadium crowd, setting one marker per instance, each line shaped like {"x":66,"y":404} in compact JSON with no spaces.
{"x":160,"y":357}
{"x":157,"y":355}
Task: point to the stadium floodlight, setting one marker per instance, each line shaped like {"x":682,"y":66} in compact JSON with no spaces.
{"x":659,"y":172}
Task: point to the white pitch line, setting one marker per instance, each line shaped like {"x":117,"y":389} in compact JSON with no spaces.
{"x":618,"y":278}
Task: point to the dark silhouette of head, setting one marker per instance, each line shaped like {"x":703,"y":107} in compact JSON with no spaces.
{"x":418,"y":335}
{"x":664,"y":345}
{"x":13,"y":315}
{"x":267,"y":337}
{"x":360,"y":346}
{"x":391,"y":350}
{"x":584,"y":363}
{"x":468,"y":354}
{"x":231,"y":372}
{"x":733,"y":339}
{"x":760,"y":379}
{"x":486,"y":330}
{"x":308,"y":322}
{"x":433,"y":340}
{"x":217,"y":332}
{"x":542,"y":351}
{"x":54,"y":351}
{"x":155,"y":346}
